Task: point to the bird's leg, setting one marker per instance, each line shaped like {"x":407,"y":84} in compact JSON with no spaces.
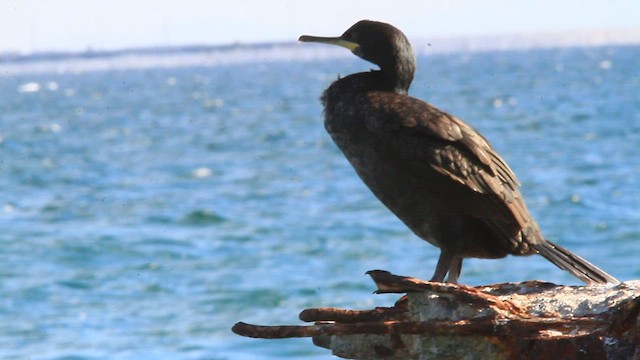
{"x":444,"y":264}
{"x":455,"y":268}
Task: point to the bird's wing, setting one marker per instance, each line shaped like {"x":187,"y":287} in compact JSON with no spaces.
{"x":449,"y":146}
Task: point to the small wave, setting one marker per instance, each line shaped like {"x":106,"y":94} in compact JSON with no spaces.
{"x":29,"y":87}
{"x":202,"y":218}
{"x":75,"y":284}
{"x":201,"y":172}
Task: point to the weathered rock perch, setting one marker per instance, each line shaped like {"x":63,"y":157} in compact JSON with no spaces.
{"x":530,"y":320}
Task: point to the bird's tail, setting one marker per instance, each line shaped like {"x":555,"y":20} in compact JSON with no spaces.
{"x":577,"y":266}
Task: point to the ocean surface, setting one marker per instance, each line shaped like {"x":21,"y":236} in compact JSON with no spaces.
{"x":145,"y":210}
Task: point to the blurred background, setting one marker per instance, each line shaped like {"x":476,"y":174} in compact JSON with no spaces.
{"x":32,"y":25}
{"x":165,"y":171}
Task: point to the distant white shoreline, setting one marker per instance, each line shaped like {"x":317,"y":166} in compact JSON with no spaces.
{"x":208,"y":56}
{"x":576,"y":38}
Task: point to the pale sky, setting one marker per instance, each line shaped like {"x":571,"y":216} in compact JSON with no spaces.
{"x":42,"y":25}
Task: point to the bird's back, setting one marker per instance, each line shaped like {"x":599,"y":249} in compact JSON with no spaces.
{"x":437,"y":174}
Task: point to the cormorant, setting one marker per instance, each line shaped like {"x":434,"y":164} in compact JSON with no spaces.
{"x":433,"y":171}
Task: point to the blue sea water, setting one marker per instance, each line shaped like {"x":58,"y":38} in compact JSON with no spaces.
{"x":145,"y":211}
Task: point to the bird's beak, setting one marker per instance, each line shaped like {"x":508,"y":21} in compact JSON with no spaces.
{"x":331,"y":41}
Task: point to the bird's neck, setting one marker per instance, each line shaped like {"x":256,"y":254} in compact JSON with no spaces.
{"x":399,"y":71}
{"x":395,"y":76}
{"x":398,"y":78}
{"x":395,"y":80}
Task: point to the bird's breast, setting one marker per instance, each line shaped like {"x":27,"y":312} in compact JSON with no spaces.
{"x":408,"y":191}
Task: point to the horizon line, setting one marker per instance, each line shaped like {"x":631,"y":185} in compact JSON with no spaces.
{"x":175,"y":56}
{"x":620,"y":35}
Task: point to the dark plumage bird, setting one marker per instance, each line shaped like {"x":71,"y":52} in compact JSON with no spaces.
{"x":436,"y":173}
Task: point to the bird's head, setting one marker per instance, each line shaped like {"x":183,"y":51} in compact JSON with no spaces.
{"x":379,"y":43}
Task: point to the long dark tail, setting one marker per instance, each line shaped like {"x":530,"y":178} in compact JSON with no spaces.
{"x":577,"y":266}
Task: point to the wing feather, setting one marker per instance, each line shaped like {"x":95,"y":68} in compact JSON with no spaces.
{"x":451,"y":148}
